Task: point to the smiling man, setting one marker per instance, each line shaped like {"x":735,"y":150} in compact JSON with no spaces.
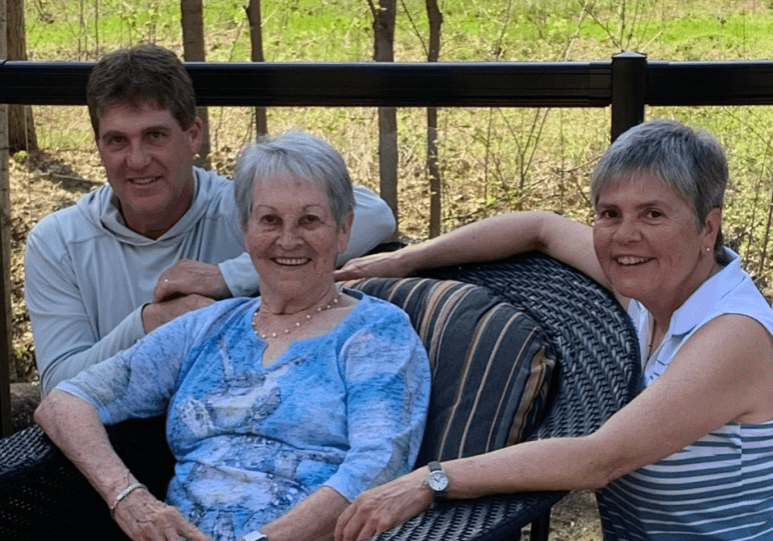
{"x":146,"y":153}
{"x":161,"y":239}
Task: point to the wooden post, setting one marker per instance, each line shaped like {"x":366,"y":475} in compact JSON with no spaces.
{"x":433,"y":167}
{"x":5,"y":251}
{"x":254,"y":17}
{"x":383,"y":51}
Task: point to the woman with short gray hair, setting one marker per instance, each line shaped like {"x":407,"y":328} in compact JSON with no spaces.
{"x":692,"y":456}
{"x":691,"y":162}
{"x":296,"y":154}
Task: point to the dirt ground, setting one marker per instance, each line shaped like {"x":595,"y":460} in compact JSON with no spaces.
{"x":575,"y":518}
{"x":37,"y":188}
{"x":51,"y":182}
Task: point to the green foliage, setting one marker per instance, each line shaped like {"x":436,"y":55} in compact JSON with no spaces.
{"x":492,"y":160}
{"x":473,"y":30}
{"x":20,"y":157}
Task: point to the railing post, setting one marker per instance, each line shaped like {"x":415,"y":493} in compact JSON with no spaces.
{"x":629,"y":90}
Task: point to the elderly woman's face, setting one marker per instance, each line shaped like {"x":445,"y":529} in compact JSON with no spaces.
{"x":292,"y":236}
{"x":647,"y":241}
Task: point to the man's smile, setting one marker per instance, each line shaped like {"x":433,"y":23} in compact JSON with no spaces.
{"x":142,"y":181}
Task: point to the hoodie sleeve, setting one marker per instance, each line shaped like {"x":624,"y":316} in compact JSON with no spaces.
{"x":374,"y":224}
{"x":65,"y":340}
{"x":240,"y":276}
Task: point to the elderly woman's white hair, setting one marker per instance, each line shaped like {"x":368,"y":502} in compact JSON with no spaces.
{"x":293,"y":154}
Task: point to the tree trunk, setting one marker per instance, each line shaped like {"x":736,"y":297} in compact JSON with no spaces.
{"x":435,"y":181}
{"x":7,"y":364}
{"x":256,"y":44}
{"x":21,"y":126}
{"x":383,"y":39}
{"x":194,"y":50}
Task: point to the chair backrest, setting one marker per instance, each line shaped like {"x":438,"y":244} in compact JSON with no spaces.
{"x":491,"y":364}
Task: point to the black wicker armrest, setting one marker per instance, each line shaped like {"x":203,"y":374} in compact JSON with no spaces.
{"x":43,"y":495}
{"x":493,"y":518}
{"x":598,"y":373}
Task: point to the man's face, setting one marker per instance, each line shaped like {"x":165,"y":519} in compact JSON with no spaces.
{"x":148,"y":159}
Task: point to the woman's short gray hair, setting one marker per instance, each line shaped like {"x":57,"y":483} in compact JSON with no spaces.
{"x":691,"y":163}
{"x":299,"y":155}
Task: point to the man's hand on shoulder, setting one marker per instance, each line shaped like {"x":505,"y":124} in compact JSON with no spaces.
{"x":187,"y":277}
{"x":156,"y":314}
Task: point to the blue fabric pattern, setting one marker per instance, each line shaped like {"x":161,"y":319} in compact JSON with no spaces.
{"x":344,"y":410}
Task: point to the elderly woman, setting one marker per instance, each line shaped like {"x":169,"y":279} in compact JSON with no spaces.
{"x":692,"y":456}
{"x":281,"y":409}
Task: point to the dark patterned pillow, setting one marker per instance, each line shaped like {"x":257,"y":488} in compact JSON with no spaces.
{"x":491,"y":364}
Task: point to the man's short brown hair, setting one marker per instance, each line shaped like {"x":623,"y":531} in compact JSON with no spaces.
{"x":144,"y":72}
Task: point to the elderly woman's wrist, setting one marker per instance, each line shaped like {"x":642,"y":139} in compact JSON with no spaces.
{"x":123,"y":494}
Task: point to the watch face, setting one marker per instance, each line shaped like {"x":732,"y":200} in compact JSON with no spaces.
{"x":437,"y":481}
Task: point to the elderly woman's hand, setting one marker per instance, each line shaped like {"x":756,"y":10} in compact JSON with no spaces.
{"x":383,"y":507}
{"x":144,"y":518}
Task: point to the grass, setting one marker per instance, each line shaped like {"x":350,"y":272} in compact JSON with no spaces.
{"x":492,"y":160}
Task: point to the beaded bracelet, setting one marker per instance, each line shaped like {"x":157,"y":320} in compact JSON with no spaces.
{"x":125,"y":492}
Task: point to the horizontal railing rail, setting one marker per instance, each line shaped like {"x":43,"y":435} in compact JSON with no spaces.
{"x":570,"y":84}
{"x":627,"y":84}
{"x":505,"y":84}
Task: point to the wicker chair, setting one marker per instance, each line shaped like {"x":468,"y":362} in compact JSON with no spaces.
{"x":42,"y":494}
{"x":599,"y":372}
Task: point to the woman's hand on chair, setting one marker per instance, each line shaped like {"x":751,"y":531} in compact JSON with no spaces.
{"x":380,"y":508}
{"x":388,"y":264}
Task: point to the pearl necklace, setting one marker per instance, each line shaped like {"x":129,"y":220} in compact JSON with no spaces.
{"x":298,"y":324}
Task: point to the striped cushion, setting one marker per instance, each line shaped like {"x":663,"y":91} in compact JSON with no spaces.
{"x":491,"y":364}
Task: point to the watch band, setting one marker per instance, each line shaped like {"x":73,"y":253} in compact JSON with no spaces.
{"x":255,"y":536}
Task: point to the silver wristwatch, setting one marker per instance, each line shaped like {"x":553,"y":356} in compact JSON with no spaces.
{"x":437,"y":481}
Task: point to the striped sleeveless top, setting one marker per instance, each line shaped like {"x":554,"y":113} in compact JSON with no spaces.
{"x":721,"y":486}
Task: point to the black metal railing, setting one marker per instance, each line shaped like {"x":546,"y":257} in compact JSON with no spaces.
{"x":627,"y":84}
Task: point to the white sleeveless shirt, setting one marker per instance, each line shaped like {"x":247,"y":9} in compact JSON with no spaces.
{"x":721,"y":486}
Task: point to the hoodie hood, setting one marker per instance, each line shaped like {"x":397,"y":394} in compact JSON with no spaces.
{"x":101,"y":209}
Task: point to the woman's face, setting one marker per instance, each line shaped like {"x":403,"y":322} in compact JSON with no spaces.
{"x":648,"y":244}
{"x":292,"y":236}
